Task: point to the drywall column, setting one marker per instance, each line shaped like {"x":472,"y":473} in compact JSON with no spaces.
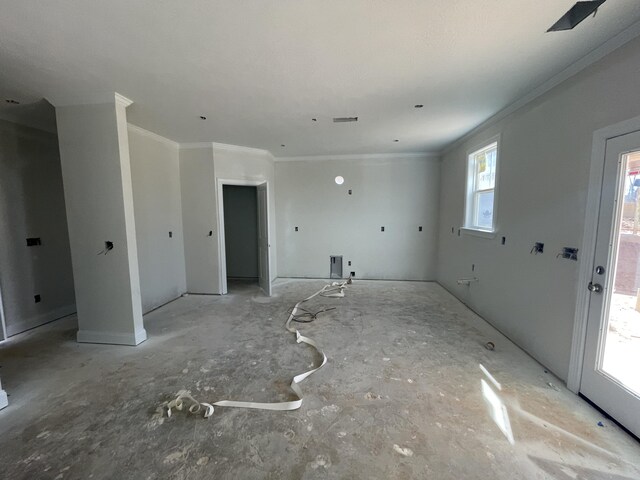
{"x":199,"y":219}
{"x":3,"y":398}
{"x":96,"y":171}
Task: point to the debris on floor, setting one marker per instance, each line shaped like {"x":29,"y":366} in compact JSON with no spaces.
{"x":185,"y":400}
{"x":405,"y":452}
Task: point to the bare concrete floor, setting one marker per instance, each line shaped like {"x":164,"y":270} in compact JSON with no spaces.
{"x":400,"y":398}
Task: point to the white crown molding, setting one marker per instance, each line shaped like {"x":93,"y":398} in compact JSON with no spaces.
{"x":6,"y":117}
{"x":195,"y":145}
{"x":240,"y":149}
{"x":122,"y":100}
{"x":363,"y":156}
{"x":590,"y":58}
{"x":227,"y":148}
{"x":89,"y":99}
{"x":154,"y":136}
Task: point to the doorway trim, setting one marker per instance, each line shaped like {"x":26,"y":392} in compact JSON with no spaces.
{"x":222,"y":255}
{"x":598,"y":150}
{"x":3,"y":325}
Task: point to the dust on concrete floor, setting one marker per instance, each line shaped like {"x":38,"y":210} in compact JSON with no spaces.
{"x":400,"y":397}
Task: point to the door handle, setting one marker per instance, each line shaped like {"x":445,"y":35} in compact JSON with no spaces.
{"x":594,"y":287}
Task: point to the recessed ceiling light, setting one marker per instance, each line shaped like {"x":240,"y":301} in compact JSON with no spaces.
{"x":202,"y":117}
{"x":12,"y":101}
{"x":418,"y":106}
{"x":339,"y":180}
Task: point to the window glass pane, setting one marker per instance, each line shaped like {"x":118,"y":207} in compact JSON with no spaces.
{"x":483,"y":214}
{"x":485,"y":161}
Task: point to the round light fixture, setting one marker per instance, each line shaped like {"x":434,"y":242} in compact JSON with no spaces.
{"x":339,"y":180}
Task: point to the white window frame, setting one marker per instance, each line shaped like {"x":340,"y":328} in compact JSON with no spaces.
{"x":470,"y":192}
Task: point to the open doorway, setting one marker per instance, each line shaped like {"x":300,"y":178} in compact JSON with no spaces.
{"x":243,"y":224}
{"x":240,"y":203}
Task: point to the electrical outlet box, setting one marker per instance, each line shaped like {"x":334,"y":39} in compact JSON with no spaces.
{"x":569,"y":253}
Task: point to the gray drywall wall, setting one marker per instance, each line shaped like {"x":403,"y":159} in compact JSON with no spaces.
{"x":201,"y":166}
{"x":32,"y":205}
{"x":544,"y":161}
{"x":199,"y":216}
{"x":399,"y":194}
{"x":155,"y":175}
{"x":96,"y":172}
{"x":241,"y":231}
{"x":254,"y":166}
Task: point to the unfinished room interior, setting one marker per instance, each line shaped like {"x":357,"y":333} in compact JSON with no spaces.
{"x":300,"y":239}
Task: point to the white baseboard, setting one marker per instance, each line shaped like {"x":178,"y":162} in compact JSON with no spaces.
{"x":112,"y":338}
{"x":4,"y":401}
{"x":19,"y":327}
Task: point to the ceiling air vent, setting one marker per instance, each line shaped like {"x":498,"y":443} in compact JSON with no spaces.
{"x":575,"y":15}
{"x":344,"y":119}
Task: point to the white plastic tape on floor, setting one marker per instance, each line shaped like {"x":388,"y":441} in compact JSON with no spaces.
{"x":184,"y":398}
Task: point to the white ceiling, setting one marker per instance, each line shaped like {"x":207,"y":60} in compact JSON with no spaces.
{"x":260,"y":70}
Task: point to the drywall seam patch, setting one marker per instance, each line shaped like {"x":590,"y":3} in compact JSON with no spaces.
{"x":336,"y":290}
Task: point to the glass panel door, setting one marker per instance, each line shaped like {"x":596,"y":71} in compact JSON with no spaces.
{"x":611,"y":370}
{"x":621,"y":337}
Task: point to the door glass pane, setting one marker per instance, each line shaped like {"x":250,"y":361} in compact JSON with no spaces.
{"x":621,"y":353}
{"x":484,"y":210}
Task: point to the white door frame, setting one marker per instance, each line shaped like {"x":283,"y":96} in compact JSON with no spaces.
{"x":3,"y":324}
{"x":588,"y":249}
{"x":222,"y":254}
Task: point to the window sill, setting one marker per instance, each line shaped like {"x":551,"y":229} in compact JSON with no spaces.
{"x":479,"y":233}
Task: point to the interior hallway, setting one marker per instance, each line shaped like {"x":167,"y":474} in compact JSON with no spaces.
{"x":400,"y":397}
